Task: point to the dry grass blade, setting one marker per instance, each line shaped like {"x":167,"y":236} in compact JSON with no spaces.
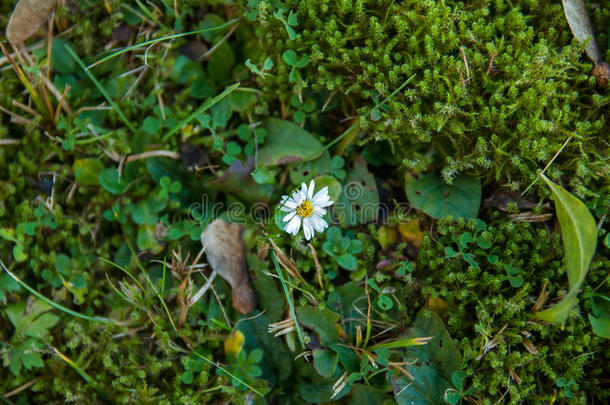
{"x":287,"y":264}
{"x":27,"y":17}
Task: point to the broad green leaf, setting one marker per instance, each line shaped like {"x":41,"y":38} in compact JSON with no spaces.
{"x":325,"y":362}
{"x":433,"y":364}
{"x":302,"y":171}
{"x":438,"y":199}
{"x":323,"y":321}
{"x":600,"y":318}
{"x":87,"y":171}
{"x":278,"y":362}
{"x":61,"y":61}
{"x":287,"y":143}
{"x":579,"y":235}
{"x":359,"y":202}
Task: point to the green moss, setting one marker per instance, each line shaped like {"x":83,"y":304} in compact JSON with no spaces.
{"x":527,"y":88}
{"x":493,"y":322}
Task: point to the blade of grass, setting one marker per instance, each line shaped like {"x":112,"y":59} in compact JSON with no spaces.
{"x":165,"y":38}
{"x":50,"y":302}
{"x":40,"y":105}
{"x":101,"y":89}
{"x":224,"y":370}
{"x":405,"y":342}
{"x":82,"y":373}
{"x":204,"y":107}
{"x":152,"y":286}
{"x":124,"y":270}
{"x":290,"y":303}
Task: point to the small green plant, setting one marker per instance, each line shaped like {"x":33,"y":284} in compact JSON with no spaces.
{"x":454,"y":395}
{"x":565,"y":386}
{"x":342,"y":248}
{"x":32,"y":323}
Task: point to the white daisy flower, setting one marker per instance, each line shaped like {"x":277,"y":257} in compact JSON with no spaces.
{"x":303,"y":206}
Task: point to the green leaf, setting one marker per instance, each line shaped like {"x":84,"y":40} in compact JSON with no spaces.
{"x":31,"y":360}
{"x":87,"y":171}
{"x":146,"y":239}
{"x":61,"y":61}
{"x":109,"y":180}
{"x":359,"y":202}
{"x":438,"y":199}
{"x":263,"y":175}
{"x":325,"y":362}
{"x":19,"y":253}
{"x":347,"y":261}
{"x":188,"y":377}
{"x":600,"y":319}
{"x":579,"y":234}
{"x":433,"y":364}
{"x":323,"y":321}
{"x":146,"y":211}
{"x":62,"y":264}
{"x":287,"y":143}
{"x":303,"y":171}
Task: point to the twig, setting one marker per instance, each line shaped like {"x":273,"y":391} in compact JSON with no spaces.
{"x":153,"y":153}
{"x":10,"y":141}
{"x":547,"y":166}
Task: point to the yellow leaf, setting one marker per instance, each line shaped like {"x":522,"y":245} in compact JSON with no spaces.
{"x":411,"y":233}
{"x":234,"y":343}
{"x":386,"y":236}
{"x":438,"y":305}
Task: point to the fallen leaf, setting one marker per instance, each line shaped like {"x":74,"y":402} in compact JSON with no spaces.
{"x":580,"y":24}
{"x":224,"y":248}
{"x":27,"y":17}
{"x":411,"y":233}
{"x":386,"y":236}
{"x":505,"y":200}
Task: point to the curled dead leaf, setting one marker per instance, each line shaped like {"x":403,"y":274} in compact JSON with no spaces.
{"x":224,"y":248}
{"x":27,"y":17}
{"x":580,"y":24}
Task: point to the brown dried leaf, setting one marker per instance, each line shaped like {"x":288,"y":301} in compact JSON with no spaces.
{"x":580,"y":24}
{"x":27,"y":18}
{"x":224,"y":248}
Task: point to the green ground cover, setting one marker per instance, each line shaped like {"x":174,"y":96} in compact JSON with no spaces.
{"x":451,"y":272}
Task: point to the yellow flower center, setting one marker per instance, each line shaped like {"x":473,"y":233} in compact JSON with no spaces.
{"x":305,"y":209}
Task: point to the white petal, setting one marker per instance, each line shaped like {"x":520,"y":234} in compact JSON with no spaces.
{"x":294,"y":225}
{"x":319,"y":224}
{"x":298,"y":197}
{"x":325,"y":203}
{"x":304,"y":190}
{"x":312,"y":186}
{"x":320,"y":194}
{"x":289,"y":216}
{"x":307,"y":228}
{"x":319,"y":210}
{"x":287,"y":204}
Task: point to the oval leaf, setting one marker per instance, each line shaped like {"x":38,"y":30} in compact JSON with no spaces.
{"x":580,"y":24}
{"x":579,"y":235}
{"x":438,"y":199}
{"x":287,"y":143}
